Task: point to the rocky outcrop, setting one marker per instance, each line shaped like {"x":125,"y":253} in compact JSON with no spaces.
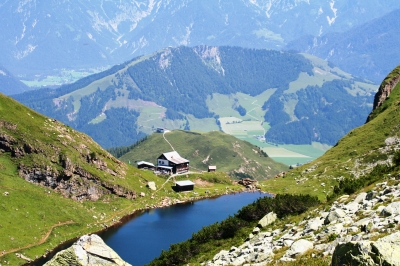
{"x":88,"y":250}
{"x":73,"y":182}
{"x":384,"y":251}
{"x":356,"y":230}
{"x":386,"y":88}
{"x":247,"y":182}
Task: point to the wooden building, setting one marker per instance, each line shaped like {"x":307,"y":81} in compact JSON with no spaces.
{"x":185,"y":185}
{"x":160,"y":130}
{"x":145,"y":165}
{"x":174,"y":160}
{"x":212,"y":168}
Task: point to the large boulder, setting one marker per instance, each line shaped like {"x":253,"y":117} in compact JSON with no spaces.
{"x":151,"y":185}
{"x":360,"y":197}
{"x":353,"y":253}
{"x":267,"y":219}
{"x":314,"y":224}
{"x":392,"y":209}
{"x":384,"y":251}
{"x":88,"y":250}
{"x":334,"y":215}
{"x":299,"y":247}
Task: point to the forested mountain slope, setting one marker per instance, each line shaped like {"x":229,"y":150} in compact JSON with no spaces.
{"x":296,"y":98}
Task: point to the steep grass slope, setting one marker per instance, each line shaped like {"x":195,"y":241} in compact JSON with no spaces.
{"x":229,"y":154}
{"x":75,"y":187}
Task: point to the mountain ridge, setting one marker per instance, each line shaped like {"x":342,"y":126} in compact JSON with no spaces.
{"x":102,"y":34}
{"x":196,"y":87}
{"x":368,"y":50}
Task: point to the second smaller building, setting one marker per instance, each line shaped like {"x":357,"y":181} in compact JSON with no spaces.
{"x":185,"y":185}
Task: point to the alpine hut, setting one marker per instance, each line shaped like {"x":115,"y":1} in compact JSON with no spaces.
{"x":174,"y":160}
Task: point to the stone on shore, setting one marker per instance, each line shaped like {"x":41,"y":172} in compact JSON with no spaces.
{"x":88,"y":250}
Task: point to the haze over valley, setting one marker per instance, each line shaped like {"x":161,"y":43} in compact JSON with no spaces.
{"x":110,"y":109}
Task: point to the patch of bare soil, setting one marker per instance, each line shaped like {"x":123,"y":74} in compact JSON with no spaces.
{"x":202,"y":183}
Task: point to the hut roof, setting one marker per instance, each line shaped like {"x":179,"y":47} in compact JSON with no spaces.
{"x":184,"y":183}
{"x":174,"y":157}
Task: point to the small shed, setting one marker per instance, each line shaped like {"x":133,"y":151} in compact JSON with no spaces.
{"x":212,"y":168}
{"x":145,"y":165}
{"x":185,"y":185}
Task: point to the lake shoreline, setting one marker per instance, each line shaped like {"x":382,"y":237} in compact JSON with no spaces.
{"x":129,"y":216}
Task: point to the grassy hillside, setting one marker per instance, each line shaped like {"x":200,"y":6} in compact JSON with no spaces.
{"x":75,"y":187}
{"x":229,"y":154}
{"x":355,"y":155}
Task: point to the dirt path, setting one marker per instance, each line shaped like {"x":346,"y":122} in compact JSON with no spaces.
{"x":168,"y":141}
{"x":41,"y":241}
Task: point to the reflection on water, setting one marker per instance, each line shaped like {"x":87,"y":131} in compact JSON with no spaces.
{"x":142,"y":238}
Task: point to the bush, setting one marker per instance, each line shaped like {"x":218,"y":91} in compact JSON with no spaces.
{"x":350,"y":185}
{"x":396,"y":158}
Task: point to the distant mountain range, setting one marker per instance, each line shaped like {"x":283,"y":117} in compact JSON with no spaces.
{"x":39,"y":37}
{"x":9,"y":84}
{"x":369,"y":50}
{"x":294,"y":98}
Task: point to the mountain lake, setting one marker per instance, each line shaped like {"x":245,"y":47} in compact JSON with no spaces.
{"x":142,"y":237}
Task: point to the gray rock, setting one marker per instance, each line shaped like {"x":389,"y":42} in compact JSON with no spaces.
{"x":88,"y":250}
{"x":334,"y":229}
{"x":371,"y":195}
{"x":352,"y":207}
{"x":298,"y":248}
{"x":385,"y":251}
{"x":334,"y":215}
{"x":287,"y":242}
{"x":352,"y":253}
{"x":267,"y":220}
{"x":151,"y":185}
{"x":314,"y":224}
{"x":239,"y":261}
{"x":360,"y":197}
{"x":392,"y":209}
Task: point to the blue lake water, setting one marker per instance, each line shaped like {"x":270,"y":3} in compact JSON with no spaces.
{"x":141,"y":239}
